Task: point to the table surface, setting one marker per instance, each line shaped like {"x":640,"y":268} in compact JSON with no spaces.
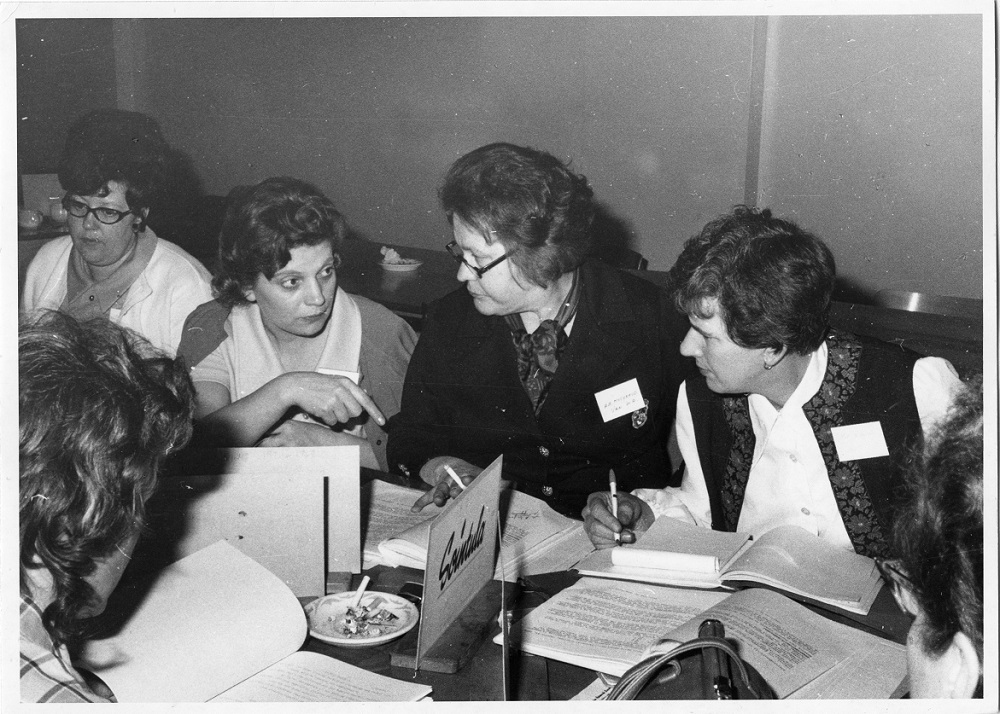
{"x":532,"y":678}
{"x":407,"y":293}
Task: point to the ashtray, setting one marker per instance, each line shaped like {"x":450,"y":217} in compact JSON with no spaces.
{"x":410,"y":264}
{"x":379,"y":618}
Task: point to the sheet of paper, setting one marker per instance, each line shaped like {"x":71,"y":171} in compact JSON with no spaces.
{"x":606,"y":625}
{"x":385,"y":513}
{"x":269,"y":503}
{"x":562,"y":553}
{"x":788,"y":644}
{"x":537,"y":539}
{"x":274,"y":515}
{"x":873,"y":670}
{"x":206,"y":623}
{"x":313,"y":677}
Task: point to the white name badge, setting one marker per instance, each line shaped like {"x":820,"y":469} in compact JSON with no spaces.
{"x":859,"y":441}
{"x":353,"y":376}
{"x":623,"y":398}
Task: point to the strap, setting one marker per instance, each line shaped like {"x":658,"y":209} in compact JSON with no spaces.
{"x":636,"y":678}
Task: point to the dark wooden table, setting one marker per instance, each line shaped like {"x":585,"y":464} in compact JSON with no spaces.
{"x":405,"y":293}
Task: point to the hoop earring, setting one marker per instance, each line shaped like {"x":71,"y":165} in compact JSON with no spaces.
{"x":768,"y":366}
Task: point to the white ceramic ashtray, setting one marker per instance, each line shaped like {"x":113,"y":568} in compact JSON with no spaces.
{"x":391,"y":260}
{"x":378,"y":618}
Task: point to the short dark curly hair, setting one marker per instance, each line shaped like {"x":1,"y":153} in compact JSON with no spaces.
{"x":263,"y":223}
{"x":99,"y":411}
{"x":115,"y":145}
{"x":772,"y":279}
{"x":938,"y":531}
{"x":530,"y":201}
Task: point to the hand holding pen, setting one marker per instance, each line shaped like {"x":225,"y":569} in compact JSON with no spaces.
{"x":611,"y":520}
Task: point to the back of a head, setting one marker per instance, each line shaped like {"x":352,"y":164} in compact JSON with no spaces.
{"x":115,"y":145}
{"x":938,"y":532}
{"x":528,"y":199}
{"x":772,"y":279}
{"x":263,"y":223}
{"x":99,"y":411}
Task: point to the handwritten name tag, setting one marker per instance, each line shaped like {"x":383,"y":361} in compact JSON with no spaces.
{"x":859,"y":441}
{"x":621,"y":399}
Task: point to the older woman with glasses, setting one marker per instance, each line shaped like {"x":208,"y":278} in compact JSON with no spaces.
{"x":114,"y":168}
{"x":519,"y":362}
{"x":938,"y":538}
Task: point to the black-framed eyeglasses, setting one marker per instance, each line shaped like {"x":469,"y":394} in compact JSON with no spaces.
{"x":459,"y":257}
{"x":902,"y":586}
{"x":107,"y":216}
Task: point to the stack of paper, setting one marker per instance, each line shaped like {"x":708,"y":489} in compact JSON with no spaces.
{"x":536,"y":539}
{"x":385,"y":512}
{"x":608,"y":626}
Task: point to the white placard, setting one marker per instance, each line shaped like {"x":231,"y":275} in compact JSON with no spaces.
{"x":461,"y":552}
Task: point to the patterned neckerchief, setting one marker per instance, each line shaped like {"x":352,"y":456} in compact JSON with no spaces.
{"x":538,"y":353}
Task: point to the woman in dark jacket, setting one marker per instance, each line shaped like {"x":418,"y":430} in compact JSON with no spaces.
{"x":517,"y":362}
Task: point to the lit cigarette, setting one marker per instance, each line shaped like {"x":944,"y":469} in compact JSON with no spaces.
{"x":454,"y":476}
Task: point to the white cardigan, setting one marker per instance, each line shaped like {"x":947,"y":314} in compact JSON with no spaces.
{"x":172,"y":285}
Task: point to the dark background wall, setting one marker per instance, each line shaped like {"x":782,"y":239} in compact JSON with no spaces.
{"x":867,"y":130}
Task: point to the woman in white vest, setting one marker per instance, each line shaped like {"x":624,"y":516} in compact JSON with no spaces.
{"x":283,"y":356}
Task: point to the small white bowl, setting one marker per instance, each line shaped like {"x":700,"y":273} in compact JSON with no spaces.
{"x":402,"y":267}
{"x":323,"y":614}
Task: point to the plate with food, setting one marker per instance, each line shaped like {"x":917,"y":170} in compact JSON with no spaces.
{"x":392,"y":260}
{"x":378,"y":618}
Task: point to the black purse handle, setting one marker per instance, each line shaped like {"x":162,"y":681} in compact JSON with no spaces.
{"x":639,"y":675}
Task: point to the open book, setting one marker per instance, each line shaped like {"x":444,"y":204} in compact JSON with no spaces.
{"x":787,"y":558}
{"x":536,"y":539}
{"x":217,"y":625}
{"x":609,"y":626}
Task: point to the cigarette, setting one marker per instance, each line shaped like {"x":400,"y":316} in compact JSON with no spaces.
{"x":454,"y":476}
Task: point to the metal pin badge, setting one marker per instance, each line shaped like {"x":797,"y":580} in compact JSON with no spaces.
{"x":639,"y":416}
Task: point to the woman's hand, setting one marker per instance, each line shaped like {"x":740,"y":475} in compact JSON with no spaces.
{"x":634,"y":516}
{"x":293,"y":432}
{"x":332,"y":399}
{"x":444,"y":486}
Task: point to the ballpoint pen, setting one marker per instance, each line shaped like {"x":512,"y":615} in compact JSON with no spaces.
{"x":613,"y":483}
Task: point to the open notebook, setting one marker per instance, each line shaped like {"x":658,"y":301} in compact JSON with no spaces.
{"x":218,"y":626}
{"x":786,"y":558}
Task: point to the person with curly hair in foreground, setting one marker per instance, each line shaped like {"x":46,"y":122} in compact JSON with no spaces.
{"x":99,"y":411}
